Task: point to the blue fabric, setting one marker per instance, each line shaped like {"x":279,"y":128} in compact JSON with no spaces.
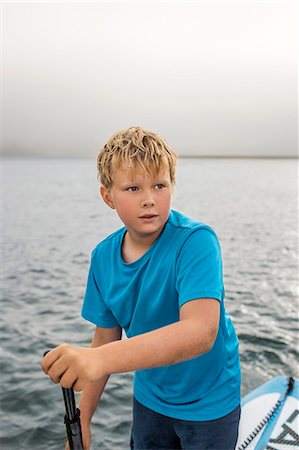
{"x":183,"y":264}
{"x":153,"y":431}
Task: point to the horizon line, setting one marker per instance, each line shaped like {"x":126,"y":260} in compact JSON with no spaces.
{"x":187,"y":156}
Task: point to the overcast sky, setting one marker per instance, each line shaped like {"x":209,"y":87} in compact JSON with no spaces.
{"x":212,"y":77}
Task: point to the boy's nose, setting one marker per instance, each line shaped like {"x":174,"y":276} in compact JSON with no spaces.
{"x":148,"y":201}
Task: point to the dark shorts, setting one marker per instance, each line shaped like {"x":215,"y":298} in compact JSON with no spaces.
{"x":153,"y":431}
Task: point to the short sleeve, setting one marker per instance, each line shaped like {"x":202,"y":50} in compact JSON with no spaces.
{"x":199,"y":267}
{"x":94,"y":308}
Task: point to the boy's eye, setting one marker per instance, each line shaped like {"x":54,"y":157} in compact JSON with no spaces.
{"x":132,"y":188}
{"x":159,"y":186}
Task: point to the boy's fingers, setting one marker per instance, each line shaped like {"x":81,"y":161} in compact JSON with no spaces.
{"x":62,"y":371}
{"x":78,"y":386}
{"x":68,"y":379}
{"x":48,"y":360}
{"x":53,"y":356}
{"x":57,"y":371}
{"x":59,"y":364}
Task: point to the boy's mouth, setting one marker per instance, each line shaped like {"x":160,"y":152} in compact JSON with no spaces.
{"x":148,"y":216}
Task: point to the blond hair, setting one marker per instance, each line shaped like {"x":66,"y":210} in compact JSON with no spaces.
{"x":135,"y":148}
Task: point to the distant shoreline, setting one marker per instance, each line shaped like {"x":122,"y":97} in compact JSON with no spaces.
{"x":70,"y":157}
{"x":236,"y":157}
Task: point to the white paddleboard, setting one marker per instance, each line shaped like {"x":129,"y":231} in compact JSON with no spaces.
{"x":261,"y":430}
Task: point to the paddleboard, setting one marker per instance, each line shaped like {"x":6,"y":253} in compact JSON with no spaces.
{"x":270,"y":416}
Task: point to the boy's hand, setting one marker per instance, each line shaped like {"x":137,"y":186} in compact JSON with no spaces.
{"x":73,"y":366}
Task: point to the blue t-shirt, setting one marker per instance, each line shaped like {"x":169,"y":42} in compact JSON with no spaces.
{"x":183,"y":264}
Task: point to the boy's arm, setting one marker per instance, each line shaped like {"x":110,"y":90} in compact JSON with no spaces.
{"x":193,"y":335}
{"x":92,"y":391}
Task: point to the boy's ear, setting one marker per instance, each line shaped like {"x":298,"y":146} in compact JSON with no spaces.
{"x":106,"y":197}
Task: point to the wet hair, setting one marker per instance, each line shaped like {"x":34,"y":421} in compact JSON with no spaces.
{"x":135,"y":149}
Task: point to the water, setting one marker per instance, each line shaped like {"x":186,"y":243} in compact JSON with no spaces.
{"x":53,"y":217}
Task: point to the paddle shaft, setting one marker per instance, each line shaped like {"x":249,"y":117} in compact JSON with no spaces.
{"x":72,"y":419}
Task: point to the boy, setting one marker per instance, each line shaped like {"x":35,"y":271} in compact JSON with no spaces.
{"x":160,"y":279}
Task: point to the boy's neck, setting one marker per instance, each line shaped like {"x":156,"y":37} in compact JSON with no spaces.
{"x":133,"y":249}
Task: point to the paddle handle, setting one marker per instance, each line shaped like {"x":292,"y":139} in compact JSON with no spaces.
{"x":72,"y":419}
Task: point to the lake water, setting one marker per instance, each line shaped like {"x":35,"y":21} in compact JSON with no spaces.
{"x":52,"y":217}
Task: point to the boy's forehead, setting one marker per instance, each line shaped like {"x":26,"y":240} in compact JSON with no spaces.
{"x":123,"y":173}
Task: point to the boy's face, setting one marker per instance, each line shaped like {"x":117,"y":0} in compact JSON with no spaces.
{"x":142,"y":203}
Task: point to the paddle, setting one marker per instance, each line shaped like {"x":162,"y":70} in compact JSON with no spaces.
{"x":72,"y":419}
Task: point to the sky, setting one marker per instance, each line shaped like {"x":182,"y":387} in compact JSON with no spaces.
{"x":213,"y":78}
